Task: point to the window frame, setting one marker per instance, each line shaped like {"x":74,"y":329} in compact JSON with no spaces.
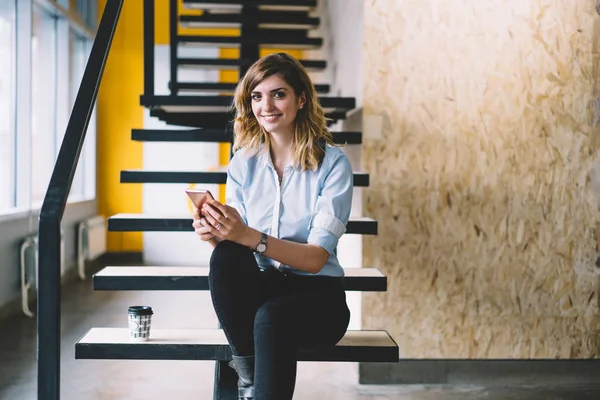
{"x":71,"y":20}
{"x":45,"y":104}
{"x":13,"y":106}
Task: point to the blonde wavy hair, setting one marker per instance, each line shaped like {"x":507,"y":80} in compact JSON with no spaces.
{"x":310,"y":126}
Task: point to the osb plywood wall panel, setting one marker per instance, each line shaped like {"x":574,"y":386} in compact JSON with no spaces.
{"x":480,"y":181}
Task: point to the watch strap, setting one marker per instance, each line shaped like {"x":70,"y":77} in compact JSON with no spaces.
{"x":263,"y":241}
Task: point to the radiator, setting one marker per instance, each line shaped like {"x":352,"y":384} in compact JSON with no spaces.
{"x":91,"y":242}
{"x":29,"y":268}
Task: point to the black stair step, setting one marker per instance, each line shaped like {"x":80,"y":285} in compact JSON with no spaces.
{"x":361,"y":179}
{"x":199,"y":104}
{"x":226,"y":88}
{"x":211,"y":344}
{"x":263,"y":19}
{"x":263,"y":41}
{"x":235,"y":63}
{"x":236,"y":5}
{"x":170,"y":223}
{"x":196,"y":278}
{"x":212,"y":120}
{"x":217,"y":136}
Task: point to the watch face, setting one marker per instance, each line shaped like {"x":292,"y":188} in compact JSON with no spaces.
{"x":261,"y":247}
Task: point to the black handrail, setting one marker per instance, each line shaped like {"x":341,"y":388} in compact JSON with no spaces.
{"x":49,"y":291}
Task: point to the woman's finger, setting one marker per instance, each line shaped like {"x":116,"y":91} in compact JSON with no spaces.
{"x":202,"y":228}
{"x":216,"y":219}
{"x":220,"y":207}
{"x":232,"y":213}
{"x":200,"y":222}
{"x":213,"y":226}
{"x":207,"y":224}
{"x":203,"y":235}
{"x":210,"y":221}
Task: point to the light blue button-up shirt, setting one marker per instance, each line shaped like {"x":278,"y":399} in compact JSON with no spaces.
{"x":308,"y":207}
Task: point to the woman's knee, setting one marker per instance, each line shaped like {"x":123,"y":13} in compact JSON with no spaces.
{"x":228,"y":254}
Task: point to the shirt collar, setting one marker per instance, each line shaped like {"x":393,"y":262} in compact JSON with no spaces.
{"x":265,"y":158}
{"x":266,"y":161}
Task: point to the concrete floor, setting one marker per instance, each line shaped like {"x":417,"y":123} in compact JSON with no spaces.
{"x":183,"y":380}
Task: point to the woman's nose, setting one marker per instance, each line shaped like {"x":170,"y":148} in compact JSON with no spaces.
{"x":268,"y":103}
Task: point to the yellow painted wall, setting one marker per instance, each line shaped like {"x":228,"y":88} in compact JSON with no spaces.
{"x":119,"y":111}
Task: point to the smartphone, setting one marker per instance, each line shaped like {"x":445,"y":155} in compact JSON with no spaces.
{"x":199,"y":197}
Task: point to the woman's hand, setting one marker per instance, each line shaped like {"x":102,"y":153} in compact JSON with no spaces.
{"x":224,"y":222}
{"x":202,"y":227}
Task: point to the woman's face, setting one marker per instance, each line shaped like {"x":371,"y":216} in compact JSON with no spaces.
{"x":275,"y":105}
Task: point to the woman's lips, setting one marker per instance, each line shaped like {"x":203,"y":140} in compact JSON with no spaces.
{"x":271,"y":117}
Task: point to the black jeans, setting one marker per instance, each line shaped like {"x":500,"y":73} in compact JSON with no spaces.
{"x":270,"y":314}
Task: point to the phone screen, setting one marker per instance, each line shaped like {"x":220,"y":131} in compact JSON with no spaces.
{"x":199,"y":197}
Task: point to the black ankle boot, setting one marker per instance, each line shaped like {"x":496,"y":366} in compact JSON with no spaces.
{"x":244,"y":366}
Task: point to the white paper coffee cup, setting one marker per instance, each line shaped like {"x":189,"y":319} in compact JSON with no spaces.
{"x":140,"y":320}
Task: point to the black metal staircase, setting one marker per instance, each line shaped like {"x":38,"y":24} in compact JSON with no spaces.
{"x":55,"y":200}
{"x":265,"y":19}
{"x":263,"y":5}
{"x":263,"y":23}
{"x":221,"y":135}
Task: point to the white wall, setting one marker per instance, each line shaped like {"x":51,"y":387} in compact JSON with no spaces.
{"x":342,"y":32}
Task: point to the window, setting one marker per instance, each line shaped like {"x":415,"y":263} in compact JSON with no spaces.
{"x":89,"y":146}
{"x":43,"y":54}
{"x":89,"y":154}
{"x":43,"y":103}
{"x":7,"y":105}
{"x":87,"y":10}
{"x":83,"y":185}
{"x":63,"y":3}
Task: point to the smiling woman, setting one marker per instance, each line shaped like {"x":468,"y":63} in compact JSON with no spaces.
{"x":275,"y":105}
{"x":275,"y":279}
{"x":275,"y":100}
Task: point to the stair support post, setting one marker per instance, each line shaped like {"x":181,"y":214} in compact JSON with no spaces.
{"x":149,"y":48}
{"x":225,"y":382}
{"x":249,"y":52}
{"x":173,"y":43}
{"x":48,"y":310}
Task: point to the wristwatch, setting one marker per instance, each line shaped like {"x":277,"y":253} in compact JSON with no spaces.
{"x":261,"y":247}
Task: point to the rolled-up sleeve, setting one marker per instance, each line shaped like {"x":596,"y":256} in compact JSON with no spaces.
{"x":332,"y":211}
{"x":234,"y":195}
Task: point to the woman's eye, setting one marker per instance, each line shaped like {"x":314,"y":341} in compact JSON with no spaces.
{"x":279,"y":95}
{"x":255,"y":97}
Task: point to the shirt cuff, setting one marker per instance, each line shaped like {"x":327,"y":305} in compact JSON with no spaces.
{"x":325,"y":230}
{"x":323,"y":238}
{"x":328,"y":222}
